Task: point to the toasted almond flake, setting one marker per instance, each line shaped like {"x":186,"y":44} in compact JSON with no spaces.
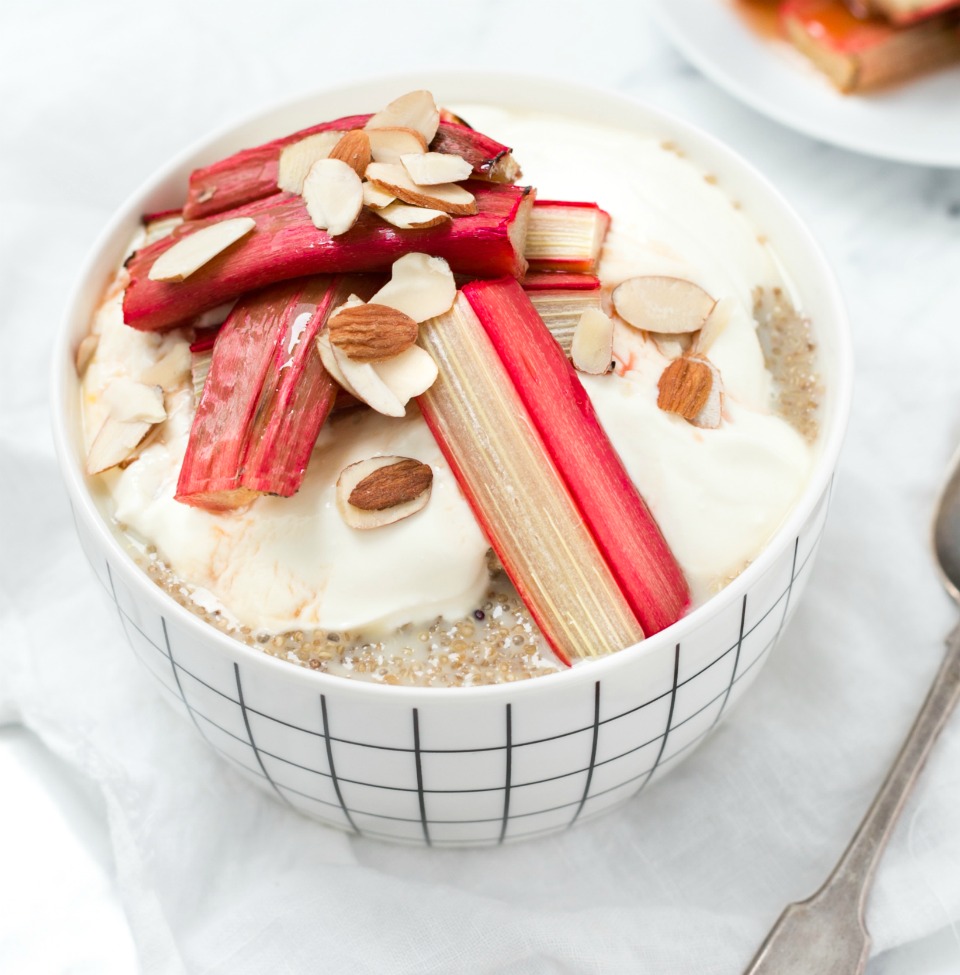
{"x":130,"y":401}
{"x":684,"y":387}
{"x":414,"y":110}
{"x":432,"y":168}
{"x":592,"y":347}
{"x":657,"y":303}
{"x":375,"y":198}
{"x":353,"y":149}
{"x":407,"y":217}
{"x":114,"y":443}
{"x":387,"y":145}
{"x":171,"y":371}
{"x":371,"y":332}
{"x":297,"y":159}
{"x":449,"y":197}
{"x":409,"y":374}
{"x":421,"y":286}
{"x":715,"y":325}
{"x":85,"y":350}
{"x":191,"y":252}
{"x":379,"y":491}
{"x":333,"y":195}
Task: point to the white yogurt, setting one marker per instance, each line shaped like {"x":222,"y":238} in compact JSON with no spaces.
{"x":292,"y":564}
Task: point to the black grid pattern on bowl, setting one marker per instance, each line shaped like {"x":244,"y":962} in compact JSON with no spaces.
{"x":743,"y":656}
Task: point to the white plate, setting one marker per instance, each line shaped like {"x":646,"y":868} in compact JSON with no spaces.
{"x":917,"y":122}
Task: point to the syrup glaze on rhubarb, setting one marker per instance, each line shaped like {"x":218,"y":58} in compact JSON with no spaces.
{"x":415,"y":602}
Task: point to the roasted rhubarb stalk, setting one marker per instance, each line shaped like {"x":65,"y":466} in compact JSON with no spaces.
{"x":612,"y":509}
{"x":264,"y":398}
{"x":565,"y":236}
{"x":252,"y":174}
{"x":285,"y":244}
{"x":560,"y":311}
{"x":559,"y":281}
{"x":505,"y":470}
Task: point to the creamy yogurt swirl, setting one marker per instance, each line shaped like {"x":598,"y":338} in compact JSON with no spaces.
{"x":286,"y":564}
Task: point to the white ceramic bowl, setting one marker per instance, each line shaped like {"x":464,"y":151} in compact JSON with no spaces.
{"x":470,"y":765}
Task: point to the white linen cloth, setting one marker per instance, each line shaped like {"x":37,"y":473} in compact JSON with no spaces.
{"x":215,"y":877}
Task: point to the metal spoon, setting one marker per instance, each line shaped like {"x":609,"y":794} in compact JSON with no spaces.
{"x":826,"y":933}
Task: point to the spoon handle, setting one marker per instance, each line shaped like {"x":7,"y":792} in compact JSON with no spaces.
{"x":826,"y":933}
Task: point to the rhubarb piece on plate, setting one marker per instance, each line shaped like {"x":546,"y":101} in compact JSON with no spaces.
{"x":264,"y":398}
{"x":252,"y":174}
{"x":505,"y":470}
{"x":559,"y":281}
{"x":285,"y":244}
{"x":565,"y":236}
{"x":625,"y":532}
{"x":857,"y":54}
{"x":901,"y":12}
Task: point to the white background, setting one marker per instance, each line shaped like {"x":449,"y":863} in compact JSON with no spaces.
{"x":125,"y":847}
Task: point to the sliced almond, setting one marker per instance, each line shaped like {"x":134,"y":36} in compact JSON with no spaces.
{"x":161,"y":227}
{"x":114,"y":443}
{"x":193,"y":251}
{"x":353,"y":149}
{"x":421,"y":286}
{"x":382,"y":490}
{"x":592,"y":347}
{"x":387,"y":145}
{"x":432,"y":168}
{"x":371,"y":332}
{"x":711,"y":412}
{"x":171,"y":371}
{"x":375,"y":198}
{"x":297,"y":159}
{"x":363,"y":381}
{"x":130,"y":401}
{"x":409,"y":374}
{"x":85,"y":350}
{"x":658,"y":303}
{"x":672,"y":346}
{"x":715,"y":325}
{"x":407,"y":217}
{"x":329,"y":359}
{"x":684,"y":387}
{"x":333,"y":195}
{"x":414,"y":110}
{"x":392,"y":178}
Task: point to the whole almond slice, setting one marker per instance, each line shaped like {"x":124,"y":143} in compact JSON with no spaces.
{"x":449,"y":197}
{"x":353,"y":149}
{"x":380,"y":491}
{"x":388,"y":145}
{"x":375,"y":198}
{"x":371,"y":332}
{"x":715,"y":325}
{"x":409,"y":374}
{"x":657,"y":303}
{"x":333,"y":195}
{"x":684,"y":387}
{"x":592,"y":347}
{"x":114,"y":443}
{"x":191,"y":252}
{"x":433,"y":168}
{"x":414,"y":110}
{"x":296,"y":159}
{"x":407,"y":217}
{"x":421,"y":286}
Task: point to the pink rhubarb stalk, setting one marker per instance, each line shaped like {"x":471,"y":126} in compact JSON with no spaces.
{"x":264,"y":399}
{"x":614,"y":512}
{"x":285,"y":244}
{"x":504,"y":468}
{"x":251,"y":174}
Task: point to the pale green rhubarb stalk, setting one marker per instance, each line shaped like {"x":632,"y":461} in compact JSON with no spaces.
{"x":565,"y":236}
{"x":265,"y":396}
{"x":519,"y":497}
{"x":560,"y":311}
{"x":616,"y":516}
{"x":251,"y":174}
{"x":285,"y":244}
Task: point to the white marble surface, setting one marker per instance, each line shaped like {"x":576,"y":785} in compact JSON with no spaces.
{"x":94,"y":94}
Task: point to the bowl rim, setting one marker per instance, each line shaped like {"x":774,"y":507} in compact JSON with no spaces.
{"x":531,"y":85}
